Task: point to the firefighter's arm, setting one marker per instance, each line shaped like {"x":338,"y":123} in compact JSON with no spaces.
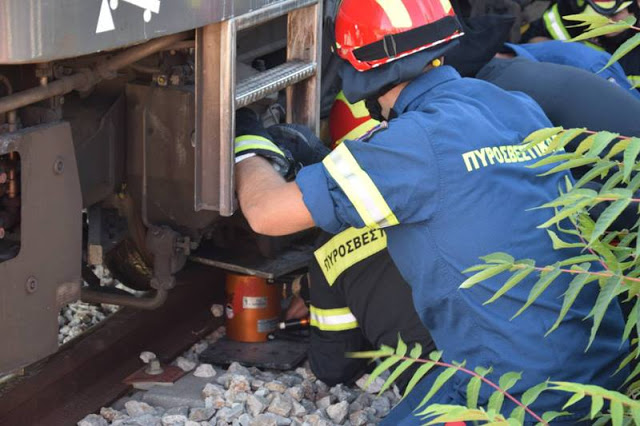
{"x":271,"y":205}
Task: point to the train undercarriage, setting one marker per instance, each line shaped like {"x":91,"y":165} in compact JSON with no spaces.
{"x":116,"y":130}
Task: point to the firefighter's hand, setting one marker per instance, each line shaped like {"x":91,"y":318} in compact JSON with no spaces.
{"x":297,"y":309}
{"x":303,"y":145}
{"x":252,"y":139}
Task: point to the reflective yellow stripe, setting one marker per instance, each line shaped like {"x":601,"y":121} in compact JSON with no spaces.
{"x":348,"y":248}
{"x":358,"y":110}
{"x":338,"y":319}
{"x":397,"y":13}
{"x":358,"y":131}
{"x":359,"y":188}
{"x":553,"y":22}
{"x":249,"y":142}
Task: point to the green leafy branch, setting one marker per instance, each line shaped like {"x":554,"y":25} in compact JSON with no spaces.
{"x":599,"y":25}
{"x":446,"y":413}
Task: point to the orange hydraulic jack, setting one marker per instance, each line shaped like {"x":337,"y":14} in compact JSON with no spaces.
{"x":253,"y":308}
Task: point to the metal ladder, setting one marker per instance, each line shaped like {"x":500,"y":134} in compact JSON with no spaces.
{"x":218,"y":95}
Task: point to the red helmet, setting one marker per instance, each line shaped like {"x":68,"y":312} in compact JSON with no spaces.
{"x":370,"y":33}
{"x":348,"y":121}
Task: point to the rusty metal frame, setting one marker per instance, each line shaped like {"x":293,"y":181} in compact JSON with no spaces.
{"x":218,"y":95}
{"x":46,"y":274}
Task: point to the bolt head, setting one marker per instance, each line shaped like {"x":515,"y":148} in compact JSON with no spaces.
{"x":31,"y":285}
{"x":58,"y":166}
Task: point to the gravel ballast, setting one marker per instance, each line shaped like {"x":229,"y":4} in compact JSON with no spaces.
{"x":242,"y":396}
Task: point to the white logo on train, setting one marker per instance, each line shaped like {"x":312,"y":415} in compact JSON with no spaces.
{"x":105,"y":20}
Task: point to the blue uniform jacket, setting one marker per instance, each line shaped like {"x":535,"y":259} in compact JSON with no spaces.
{"x":449,"y":179}
{"x":576,"y":55}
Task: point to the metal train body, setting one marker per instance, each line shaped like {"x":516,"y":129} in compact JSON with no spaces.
{"x":116,"y":129}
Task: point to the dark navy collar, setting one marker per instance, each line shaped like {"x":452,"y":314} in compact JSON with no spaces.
{"x":423,"y":84}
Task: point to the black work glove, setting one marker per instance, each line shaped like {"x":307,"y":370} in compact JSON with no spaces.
{"x":303,"y":145}
{"x":253,"y":139}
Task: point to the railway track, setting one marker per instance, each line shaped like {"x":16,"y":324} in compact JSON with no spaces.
{"x":87,"y":373}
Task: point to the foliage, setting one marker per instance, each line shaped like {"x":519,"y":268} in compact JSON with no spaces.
{"x":603,"y":256}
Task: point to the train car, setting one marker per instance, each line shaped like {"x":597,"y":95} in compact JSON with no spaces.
{"x":116,"y":146}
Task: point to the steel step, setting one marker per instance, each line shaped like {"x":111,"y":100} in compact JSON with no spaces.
{"x":271,"y":81}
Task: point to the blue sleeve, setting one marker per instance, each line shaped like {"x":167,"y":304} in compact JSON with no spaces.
{"x":391,"y":179}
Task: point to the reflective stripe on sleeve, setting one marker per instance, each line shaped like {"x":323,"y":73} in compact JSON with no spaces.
{"x":252,"y":142}
{"x":338,"y":319}
{"x":359,"y":188}
{"x":553,"y":23}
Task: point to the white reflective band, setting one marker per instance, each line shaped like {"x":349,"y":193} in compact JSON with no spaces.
{"x":338,"y":319}
{"x":554,"y":24}
{"x":242,"y":157}
{"x":359,"y":188}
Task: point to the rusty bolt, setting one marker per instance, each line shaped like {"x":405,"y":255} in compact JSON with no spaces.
{"x":162,"y":80}
{"x":58,"y":166}
{"x":31,"y":285}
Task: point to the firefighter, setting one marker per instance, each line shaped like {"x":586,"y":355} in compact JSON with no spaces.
{"x":352,"y":281}
{"x":447,"y":180}
{"x":552,"y":26}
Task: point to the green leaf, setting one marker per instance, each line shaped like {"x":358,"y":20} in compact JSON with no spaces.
{"x":598,"y":170}
{"x":508,"y":380}
{"x":546,"y":278}
{"x":439,"y":382}
{"x":473,"y":390}
{"x":635,"y":412}
{"x":571,"y":164}
{"x":633,"y":374}
{"x":435,"y":356}
{"x":575,"y":195}
{"x":517,"y":415}
{"x":495,"y":401}
{"x":579,"y":259}
{"x":630,"y":155}
{"x":559,"y":244}
{"x":556,"y":158}
{"x":416,"y":352}
{"x":574,"y":398}
{"x":418,"y":375}
{"x":382,"y":367}
{"x":608,"y":216}
{"x":585,"y":145}
{"x":566,"y":212}
{"x":401,"y":350}
{"x":617,"y":413}
{"x":498,"y":258}
{"x":596,"y":405}
{"x":632,"y":321}
{"x":602,"y":140}
{"x":531,"y":394}
{"x":624,"y":48}
{"x":542,"y":135}
{"x":563,"y":139}
{"x":607,"y":29}
{"x":511,"y":282}
{"x":607,"y":293}
{"x":620,"y":146}
{"x":395,"y":374}
{"x":574,"y":289}
{"x":484,"y":275}
{"x":589,"y":18}
{"x":552,"y":415}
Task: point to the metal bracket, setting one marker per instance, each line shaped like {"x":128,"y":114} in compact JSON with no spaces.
{"x":168,"y":256}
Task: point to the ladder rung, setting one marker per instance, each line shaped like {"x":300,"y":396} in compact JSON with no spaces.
{"x":269,"y":13}
{"x":271,"y":81}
